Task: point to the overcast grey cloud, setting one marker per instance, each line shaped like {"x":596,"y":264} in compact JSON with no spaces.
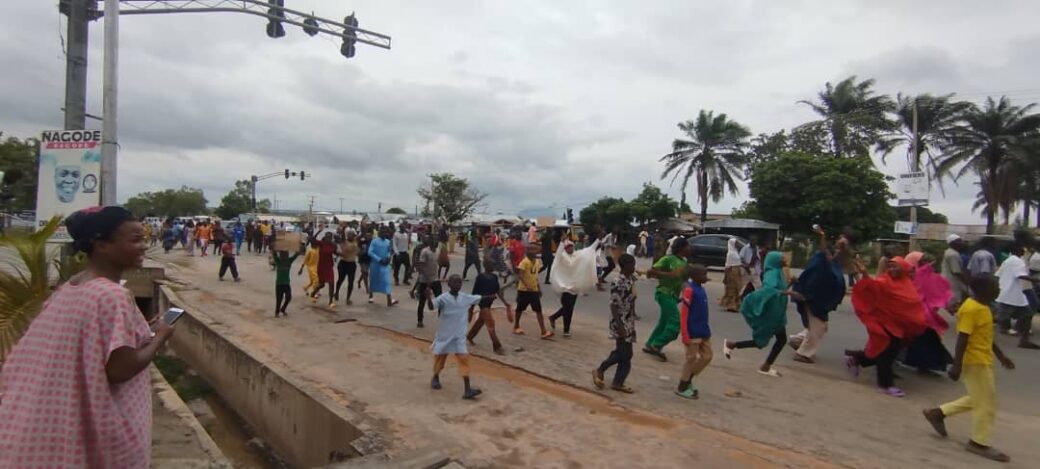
{"x":541,"y":104}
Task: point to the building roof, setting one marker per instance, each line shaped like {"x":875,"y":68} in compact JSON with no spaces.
{"x":740,"y":223}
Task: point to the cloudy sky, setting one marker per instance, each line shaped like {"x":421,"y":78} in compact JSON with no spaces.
{"x":539,"y":103}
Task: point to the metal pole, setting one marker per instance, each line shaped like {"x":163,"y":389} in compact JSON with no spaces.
{"x":109,"y":129}
{"x":915,"y":164}
{"x":76,"y":66}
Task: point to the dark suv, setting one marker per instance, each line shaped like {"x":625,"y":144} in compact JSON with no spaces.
{"x":710,"y":249}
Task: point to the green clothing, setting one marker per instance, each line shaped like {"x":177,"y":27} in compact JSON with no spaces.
{"x":765,"y":309}
{"x":282,"y":268}
{"x":670,"y":285}
{"x":667,"y":328}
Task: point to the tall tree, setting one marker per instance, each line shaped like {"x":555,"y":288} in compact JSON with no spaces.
{"x":239,"y":200}
{"x":854,"y":116}
{"x":938,"y":119}
{"x":713,"y":155}
{"x":610,"y":213}
{"x":186,"y":201}
{"x":450,"y":197}
{"x":652,"y":204}
{"x":18,"y":162}
{"x":396,"y":211}
{"x":797,"y":190}
{"x":993,"y":138}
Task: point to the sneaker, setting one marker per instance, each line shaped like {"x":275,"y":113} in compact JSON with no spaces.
{"x":852,"y":366}
{"x":567,"y":335}
{"x":892,"y":391}
{"x":622,"y":388}
{"x":472,"y":393}
{"x":937,"y":419}
{"x":597,"y":379}
{"x":689,"y":393}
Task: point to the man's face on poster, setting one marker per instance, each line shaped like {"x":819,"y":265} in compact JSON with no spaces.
{"x":66,"y":182}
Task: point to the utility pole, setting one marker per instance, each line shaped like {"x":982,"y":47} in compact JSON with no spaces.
{"x":80,"y":13}
{"x":109,"y":95}
{"x":310,"y":209}
{"x":341,"y":205}
{"x":915,"y":167}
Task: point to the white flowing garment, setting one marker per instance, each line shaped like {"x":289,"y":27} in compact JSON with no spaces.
{"x":574,"y":273}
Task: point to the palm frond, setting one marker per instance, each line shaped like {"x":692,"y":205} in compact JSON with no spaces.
{"x":24,"y":282}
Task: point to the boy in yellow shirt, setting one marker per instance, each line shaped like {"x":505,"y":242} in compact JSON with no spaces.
{"x":528,"y":292}
{"x":973,"y":361}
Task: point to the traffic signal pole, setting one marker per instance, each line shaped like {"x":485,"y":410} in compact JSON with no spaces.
{"x":81,"y":12}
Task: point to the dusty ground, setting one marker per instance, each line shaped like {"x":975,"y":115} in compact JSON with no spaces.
{"x":539,"y":408}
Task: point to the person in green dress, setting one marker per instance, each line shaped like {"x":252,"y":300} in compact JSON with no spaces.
{"x":670,"y":271}
{"x":765,"y":310}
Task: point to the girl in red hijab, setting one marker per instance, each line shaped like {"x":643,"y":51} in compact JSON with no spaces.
{"x":892,"y":311}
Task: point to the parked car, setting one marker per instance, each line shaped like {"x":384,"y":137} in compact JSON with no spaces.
{"x":710,"y":249}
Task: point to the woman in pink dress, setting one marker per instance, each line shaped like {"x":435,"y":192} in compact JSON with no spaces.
{"x":74,"y":391}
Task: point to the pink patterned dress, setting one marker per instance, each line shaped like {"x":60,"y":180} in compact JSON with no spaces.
{"x":57,"y":408}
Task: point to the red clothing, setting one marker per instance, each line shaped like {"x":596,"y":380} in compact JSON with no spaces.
{"x":227,"y":250}
{"x":325,"y":253}
{"x":517,"y":252}
{"x":888,"y":306}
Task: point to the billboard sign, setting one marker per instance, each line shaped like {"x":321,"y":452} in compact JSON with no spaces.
{"x":912,"y":189}
{"x":69,"y":177}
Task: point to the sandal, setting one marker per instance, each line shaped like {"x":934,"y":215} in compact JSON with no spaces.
{"x":548,"y":335}
{"x":726,"y":349}
{"x":803,"y":359}
{"x":622,"y":388}
{"x":689,"y":393}
{"x":988,"y":452}
{"x":772,"y":372}
{"x":518,"y":331}
{"x":597,"y":379}
{"x":852,"y":366}
{"x":393,"y":303}
{"x":892,"y":391}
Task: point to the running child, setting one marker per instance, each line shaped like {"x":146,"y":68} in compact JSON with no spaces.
{"x":528,"y":292}
{"x":973,"y":361}
{"x":282,"y":288}
{"x":453,"y":309}
{"x":310,"y":262}
{"x":622,"y":327}
{"x":486,"y":285}
{"x":227,"y":261}
{"x":696,"y":334}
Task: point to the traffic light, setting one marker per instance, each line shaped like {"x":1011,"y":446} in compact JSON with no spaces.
{"x":302,"y":177}
{"x":349,"y":36}
{"x":311,"y":27}
{"x":570,"y":216}
{"x":287,"y":173}
{"x":274,"y":27}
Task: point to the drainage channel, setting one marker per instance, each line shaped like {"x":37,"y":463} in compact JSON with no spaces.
{"x":232,"y":435}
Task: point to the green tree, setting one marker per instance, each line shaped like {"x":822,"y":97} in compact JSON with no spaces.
{"x":18,"y":162}
{"x":396,"y":211}
{"x":652,"y":205}
{"x":854,"y":117}
{"x":924,"y":215}
{"x":768,"y":147}
{"x":748,"y":209}
{"x":938,"y":119}
{"x":713,"y":155}
{"x":450,"y":197}
{"x":989,"y":144}
{"x":610,"y":213}
{"x":239,"y":200}
{"x":797,"y":190}
{"x":186,"y":201}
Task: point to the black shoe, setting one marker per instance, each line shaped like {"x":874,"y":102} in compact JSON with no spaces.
{"x":472,"y":393}
{"x":435,"y":383}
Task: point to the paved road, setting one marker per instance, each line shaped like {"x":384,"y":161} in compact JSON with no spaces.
{"x":816,"y":409}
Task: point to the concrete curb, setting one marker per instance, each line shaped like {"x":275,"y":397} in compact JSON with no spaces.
{"x":173,"y":403}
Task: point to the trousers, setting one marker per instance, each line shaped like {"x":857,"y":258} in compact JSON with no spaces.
{"x":981,"y":401}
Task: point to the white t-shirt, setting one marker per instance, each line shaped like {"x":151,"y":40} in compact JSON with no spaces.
{"x":1010,"y":286}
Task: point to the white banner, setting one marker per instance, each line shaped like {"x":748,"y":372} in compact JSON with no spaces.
{"x":72,"y":160}
{"x":912,"y":189}
{"x":906,"y":227}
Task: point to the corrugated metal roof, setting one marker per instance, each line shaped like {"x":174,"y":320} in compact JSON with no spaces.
{"x":741,"y":223}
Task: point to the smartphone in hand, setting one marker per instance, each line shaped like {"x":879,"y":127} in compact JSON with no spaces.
{"x":172,"y":315}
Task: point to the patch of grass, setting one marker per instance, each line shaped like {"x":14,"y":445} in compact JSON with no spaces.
{"x":188,"y":386}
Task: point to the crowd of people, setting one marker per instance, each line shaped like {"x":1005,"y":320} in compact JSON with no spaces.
{"x":901,"y":306}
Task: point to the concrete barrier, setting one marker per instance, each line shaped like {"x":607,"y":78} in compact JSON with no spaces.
{"x":301,"y":424}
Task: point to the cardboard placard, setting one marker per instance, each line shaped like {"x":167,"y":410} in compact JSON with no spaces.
{"x":288,"y":242}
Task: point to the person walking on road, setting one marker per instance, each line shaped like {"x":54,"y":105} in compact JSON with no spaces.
{"x":927,"y":352}
{"x":227,"y":261}
{"x":282,"y":287}
{"x":347,"y":265}
{"x":402,"y":241}
{"x":379,"y":254}
{"x":734,"y":279}
{"x":326,"y":274}
{"x":973,"y":363}
{"x":472,"y":254}
{"x":954,"y":271}
{"x":453,"y":312}
{"x":239,"y":234}
{"x":893,"y":314}
{"x":696,"y":334}
{"x":575,"y":274}
{"x":622,"y":327}
{"x":310,"y":262}
{"x":428,"y":286}
{"x":822,"y":286}
{"x":486,"y":285}
{"x":765,"y":310}
{"x":752,"y":260}
{"x":547,"y":253}
{"x":669,"y":271}
{"x":528,"y":292}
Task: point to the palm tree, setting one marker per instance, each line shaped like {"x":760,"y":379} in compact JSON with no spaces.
{"x":991,"y":140}
{"x":853,"y":115}
{"x":25,"y":282}
{"x":938,"y":118}
{"x":714,"y":154}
